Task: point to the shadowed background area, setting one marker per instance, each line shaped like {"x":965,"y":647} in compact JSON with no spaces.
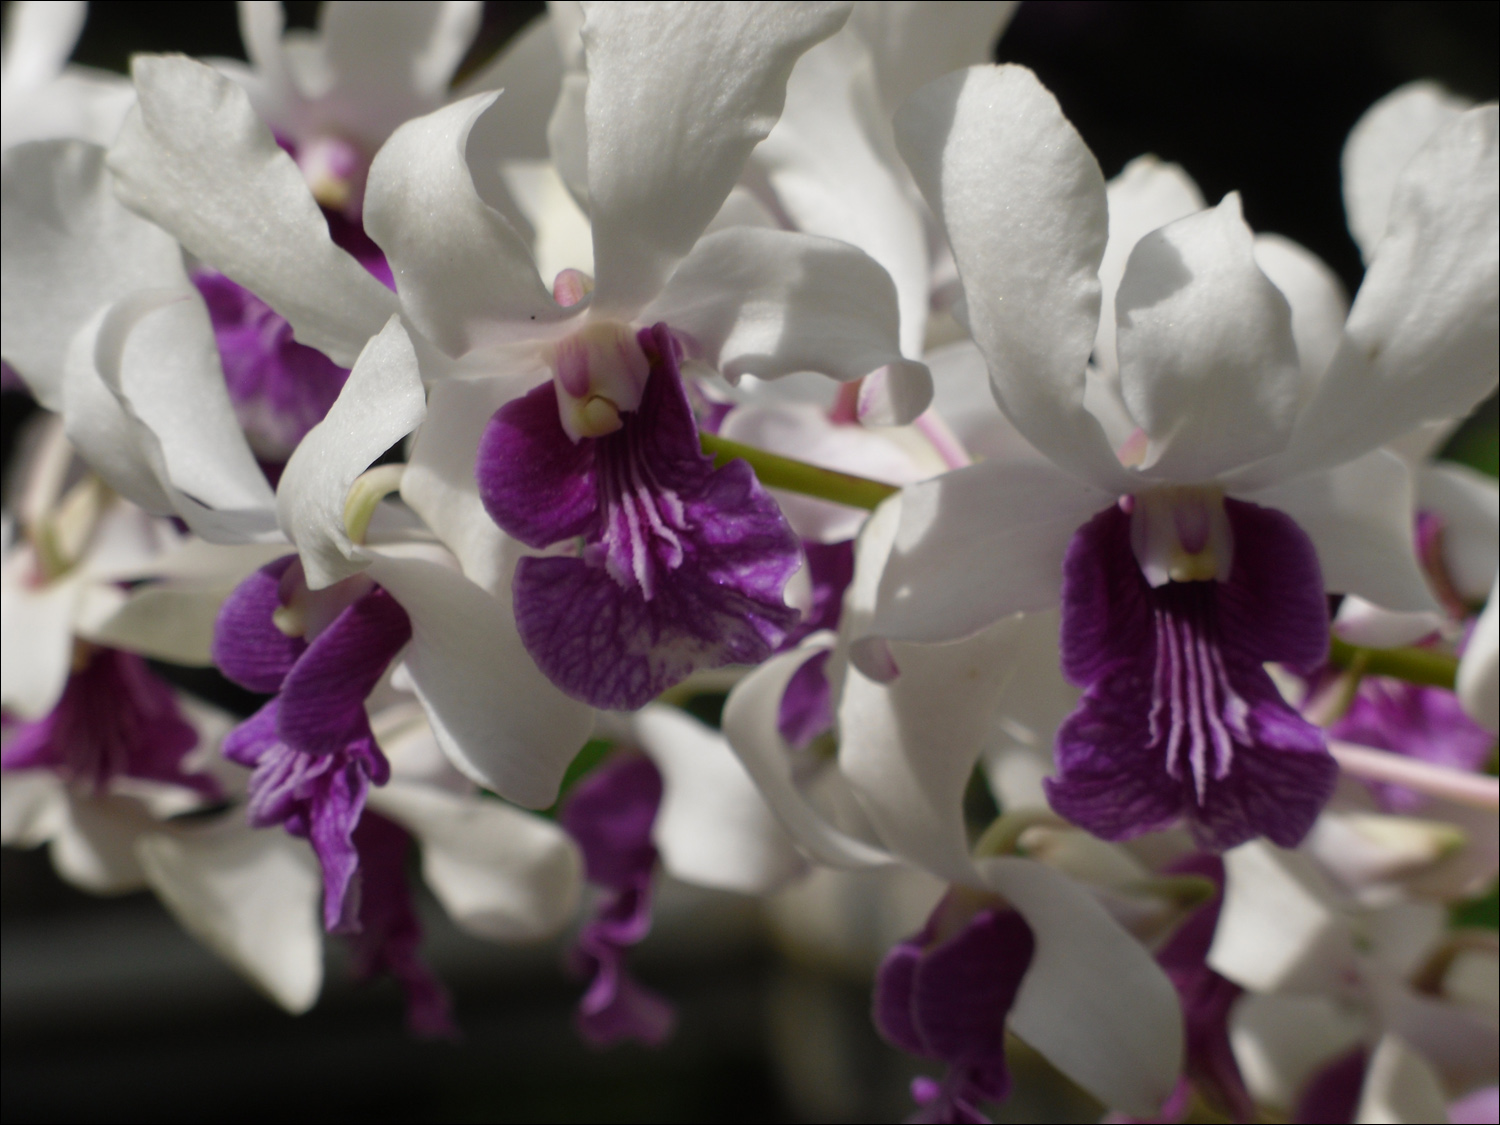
{"x":110,"y":1013}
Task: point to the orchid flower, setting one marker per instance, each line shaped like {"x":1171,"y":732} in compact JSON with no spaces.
{"x":45,"y":98}
{"x":1204,"y":548}
{"x":1369,"y":989}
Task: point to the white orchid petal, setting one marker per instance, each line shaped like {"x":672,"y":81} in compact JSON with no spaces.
{"x":251,"y":896}
{"x":33,"y":807}
{"x":770,"y":303}
{"x":1093,"y":1001}
{"x":915,"y":41}
{"x":1479,"y":670}
{"x":1023,"y":203}
{"x":1365,"y":624}
{"x":69,"y":251}
{"x":461,"y":268}
{"x":1212,"y":391}
{"x":1469,"y":504}
{"x":977,"y":545}
{"x":36,"y":643}
{"x":908,"y":747}
{"x":1359,"y":518}
{"x":677,"y":97}
{"x":165,"y":622}
{"x":195,"y":159}
{"x":38,"y":40}
{"x":714,"y":829}
{"x":1422,"y":335}
{"x":529,"y":71}
{"x":94,"y":848}
{"x":750,"y":725}
{"x":1400,"y":1087}
{"x":1381,"y":144}
{"x":381,"y":403}
{"x":832,"y":163}
{"x":1280,"y":1042}
{"x":1315,"y":294}
{"x":500,"y":873}
{"x":500,"y":721}
{"x":1146,"y":195}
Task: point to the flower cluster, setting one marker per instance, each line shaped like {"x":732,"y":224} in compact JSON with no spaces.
{"x":796,"y":352}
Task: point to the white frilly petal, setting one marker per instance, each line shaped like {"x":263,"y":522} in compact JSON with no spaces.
{"x":713,"y":829}
{"x":1315,"y":294}
{"x":1208,"y":364}
{"x":677,"y":97}
{"x":500,"y":873}
{"x":1381,"y":144}
{"x":500,"y":721}
{"x":381,"y":403}
{"x":1023,"y":203}
{"x":1469,"y":504}
{"x":251,"y":896}
{"x":195,"y":159}
{"x":1359,"y":518}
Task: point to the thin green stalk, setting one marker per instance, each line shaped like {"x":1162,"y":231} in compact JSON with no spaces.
{"x":775,"y":471}
{"x":1414,"y":665}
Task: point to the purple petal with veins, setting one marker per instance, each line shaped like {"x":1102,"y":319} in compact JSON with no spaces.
{"x":1421,"y":722}
{"x":313,"y":754}
{"x":682,"y":566}
{"x":390,"y":934}
{"x":945,"y":994}
{"x":1179,"y":719}
{"x":115,"y":719}
{"x":610,"y":813}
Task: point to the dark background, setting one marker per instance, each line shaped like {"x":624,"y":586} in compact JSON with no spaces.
{"x":109,"y":1013}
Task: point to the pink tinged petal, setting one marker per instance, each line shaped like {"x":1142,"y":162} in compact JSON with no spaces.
{"x":977,"y":545}
{"x":248,"y":647}
{"x":251,"y":897}
{"x":382,"y":402}
{"x":497,"y":718}
{"x":1422,"y":333}
{"x":750,"y":725}
{"x":1208,"y":364}
{"x":1358,"y":517}
{"x":1380,"y":146}
{"x":196,"y":160}
{"x":714,"y":828}
{"x":1146,"y":195}
{"x":500,"y":873}
{"x":1022,"y":201}
{"x":464,"y":274}
{"x":909,"y":747}
{"x":666,"y":144}
{"x":1179,"y":719}
{"x":70,"y":249}
{"x":1479,"y":670}
{"x":1316,"y":296}
{"x":771,"y":303}
{"x":1094,"y":1002}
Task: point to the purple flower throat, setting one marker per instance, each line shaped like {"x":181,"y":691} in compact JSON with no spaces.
{"x":672,"y":565}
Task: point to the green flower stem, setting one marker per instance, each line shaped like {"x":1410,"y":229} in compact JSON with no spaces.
{"x":1414,"y":665}
{"x":775,"y":471}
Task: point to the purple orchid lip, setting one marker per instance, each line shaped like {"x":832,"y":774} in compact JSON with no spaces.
{"x":945,"y":994}
{"x":116,"y":719}
{"x":610,"y":813}
{"x":1179,"y":719}
{"x":313,"y":754}
{"x":682,"y":565}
